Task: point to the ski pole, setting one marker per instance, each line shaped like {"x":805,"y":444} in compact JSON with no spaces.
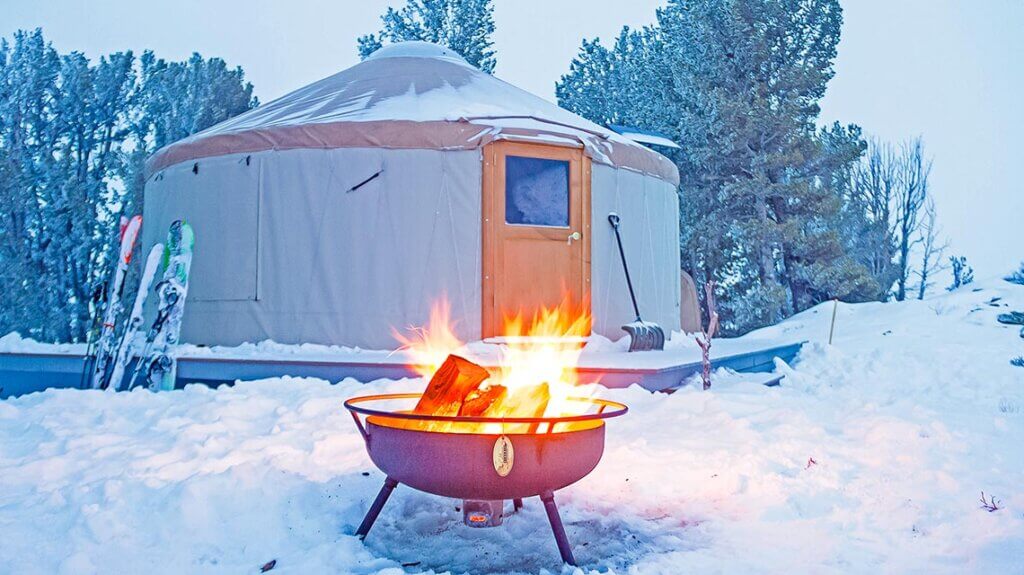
{"x":98,"y":293}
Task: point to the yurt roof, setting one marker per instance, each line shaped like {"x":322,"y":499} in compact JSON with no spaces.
{"x":410,"y":95}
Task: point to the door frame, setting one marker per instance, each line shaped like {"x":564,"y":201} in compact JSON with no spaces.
{"x":493,"y":176}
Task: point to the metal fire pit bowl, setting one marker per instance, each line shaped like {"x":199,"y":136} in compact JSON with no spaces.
{"x":526,"y":457}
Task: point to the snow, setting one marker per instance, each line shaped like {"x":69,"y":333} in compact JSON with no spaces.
{"x":599,"y":353}
{"x":417,"y":49}
{"x":443,"y":88}
{"x":15,"y":343}
{"x":869,"y":457}
{"x":645,"y":136}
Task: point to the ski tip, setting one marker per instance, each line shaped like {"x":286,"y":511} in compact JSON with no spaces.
{"x":180,"y":237}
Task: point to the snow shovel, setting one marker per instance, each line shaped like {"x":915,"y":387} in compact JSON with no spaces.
{"x":643,"y":336}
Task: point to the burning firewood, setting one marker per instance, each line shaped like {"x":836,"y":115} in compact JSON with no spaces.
{"x":459,"y":387}
{"x":530,"y":401}
{"x":450,"y":386}
{"x":478,"y":401}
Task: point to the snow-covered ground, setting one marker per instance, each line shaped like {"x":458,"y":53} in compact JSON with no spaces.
{"x":869,"y":458}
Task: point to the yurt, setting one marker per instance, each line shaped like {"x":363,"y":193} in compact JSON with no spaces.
{"x":349,"y":207}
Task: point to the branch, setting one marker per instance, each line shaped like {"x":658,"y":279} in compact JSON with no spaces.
{"x":991,"y":505}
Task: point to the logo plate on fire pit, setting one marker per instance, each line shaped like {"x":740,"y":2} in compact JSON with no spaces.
{"x":504,"y":456}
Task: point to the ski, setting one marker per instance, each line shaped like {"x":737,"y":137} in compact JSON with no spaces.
{"x":105,"y":342}
{"x":158,"y":325}
{"x":126,"y":350}
{"x":157,"y":361}
{"x":98,"y":304}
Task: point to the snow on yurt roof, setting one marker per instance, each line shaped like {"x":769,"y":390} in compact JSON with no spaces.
{"x":410,"y":95}
{"x":418,"y":49}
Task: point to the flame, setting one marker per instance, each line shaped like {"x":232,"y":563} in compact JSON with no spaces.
{"x":536,"y":363}
{"x":544,"y":350}
{"x":431,"y":344}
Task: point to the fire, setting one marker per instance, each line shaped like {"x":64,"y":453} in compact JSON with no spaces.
{"x":544,"y":350}
{"x":533,"y":375}
{"x":431,"y":344}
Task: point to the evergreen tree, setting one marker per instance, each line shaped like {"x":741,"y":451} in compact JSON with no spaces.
{"x":963,"y":274}
{"x":28,"y":89}
{"x":73,"y":136}
{"x":465,"y":26}
{"x":619,"y":85}
{"x":63,"y":126}
{"x":177,"y":99}
{"x":737,"y":83}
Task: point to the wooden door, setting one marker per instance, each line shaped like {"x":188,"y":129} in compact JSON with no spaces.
{"x":536,"y":229}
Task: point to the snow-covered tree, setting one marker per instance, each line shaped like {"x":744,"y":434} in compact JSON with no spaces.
{"x":177,"y":99}
{"x":465,"y":26}
{"x":63,"y":122}
{"x":73,"y":135}
{"x":181,"y":98}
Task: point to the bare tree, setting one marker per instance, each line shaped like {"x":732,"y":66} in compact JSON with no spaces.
{"x":704,"y":338}
{"x":932,"y":249}
{"x":890,"y":187}
{"x":912,"y":171}
{"x":873,"y":186}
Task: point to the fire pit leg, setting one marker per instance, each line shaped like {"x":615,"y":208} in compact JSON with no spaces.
{"x":378,"y":504}
{"x":556,"y":526}
{"x":517,"y":504}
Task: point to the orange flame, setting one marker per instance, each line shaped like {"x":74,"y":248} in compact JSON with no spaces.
{"x":543,"y":351}
{"x":431,"y":344}
{"x":536,"y":363}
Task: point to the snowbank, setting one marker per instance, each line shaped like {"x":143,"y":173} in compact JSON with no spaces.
{"x":15,"y":343}
{"x":870,"y":457}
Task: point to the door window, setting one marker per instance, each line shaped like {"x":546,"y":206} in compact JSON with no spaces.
{"x":536,"y":192}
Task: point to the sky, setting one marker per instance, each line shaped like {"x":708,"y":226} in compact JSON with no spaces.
{"x":949,"y":71}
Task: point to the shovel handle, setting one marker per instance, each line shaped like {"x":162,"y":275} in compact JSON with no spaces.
{"x":614,"y":220}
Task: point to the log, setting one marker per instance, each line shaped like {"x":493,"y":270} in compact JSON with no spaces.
{"x":479,"y":400}
{"x":529,"y":401}
{"x":450,"y":385}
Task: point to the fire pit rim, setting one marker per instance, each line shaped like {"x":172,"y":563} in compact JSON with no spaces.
{"x":617,"y":409}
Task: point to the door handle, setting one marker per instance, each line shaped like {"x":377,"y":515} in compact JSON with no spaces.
{"x":573,"y":236}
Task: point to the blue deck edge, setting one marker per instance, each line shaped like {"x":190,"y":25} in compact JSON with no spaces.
{"x":22,"y":373}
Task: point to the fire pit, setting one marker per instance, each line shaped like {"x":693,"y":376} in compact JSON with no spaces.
{"x":482,"y":460}
{"x":514,"y":430}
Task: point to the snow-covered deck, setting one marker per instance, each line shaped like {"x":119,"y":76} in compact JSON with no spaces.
{"x":27,"y":367}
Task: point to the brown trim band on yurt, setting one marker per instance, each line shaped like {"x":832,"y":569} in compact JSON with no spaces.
{"x":405,"y":134}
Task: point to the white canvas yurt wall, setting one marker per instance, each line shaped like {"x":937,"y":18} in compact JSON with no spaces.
{"x":287,"y":250}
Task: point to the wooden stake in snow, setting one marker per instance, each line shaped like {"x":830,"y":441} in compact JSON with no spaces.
{"x":704,"y":339}
{"x":832,"y":328}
